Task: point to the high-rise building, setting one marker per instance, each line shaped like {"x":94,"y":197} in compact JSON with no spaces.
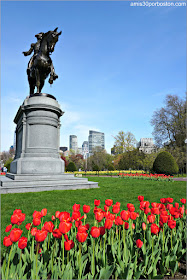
{"x":85,"y":149}
{"x":146,"y":145}
{"x":73,"y":145}
{"x":96,"y":139}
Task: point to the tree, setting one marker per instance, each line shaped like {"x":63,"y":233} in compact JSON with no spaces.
{"x":131,"y":160}
{"x":78,"y":160}
{"x":71,"y":167}
{"x":124,"y":142}
{"x":98,"y":159}
{"x":169,"y":122}
{"x":169,"y":125}
{"x":165,"y":164}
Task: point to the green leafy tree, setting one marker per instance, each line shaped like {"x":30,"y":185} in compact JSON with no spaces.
{"x":165,"y":164}
{"x":71,"y":167}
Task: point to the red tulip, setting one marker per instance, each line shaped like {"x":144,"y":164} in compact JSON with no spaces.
{"x":163,"y":200}
{"x":6,"y":241}
{"x":95,"y":232}
{"x":183,"y":200}
{"x":17,"y":211}
{"x":108,"y":202}
{"x":147,"y":210}
{"x":96,"y":202}
{"x":143,"y":226}
{"x":102,"y":231}
{"x":41,"y":235}
{"x":44,"y":212}
{"x":64,"y":227}
{"x":76,"y":215}
{"x":118,"y":204}
{"x":155,"y":211}
{"x":181,"y":210}
{"x":131,"y":209}
{"x":81,"y":236}
{"x":133,"y":226}
{"x":126,"y":225}
{"x":133,"y":215}
{"x":64,"y":216}
{"x":36,"y":222}
{"x":57,"y":233}
{"x":154,"y":229}
{"x":125,"y":215}
{"x":78,"y":223}
{"x":14,"y":219}
{"x":15,"y":234}
{"x":99,"y":216}
{"x":115,"y":209}
{"x":37,"y":214}
{"x":169,"y":199}
{"x":118,"y":221}
{"x":130,"y":205}
{"x":86,"y":208}
{"x":33,"y":231}
{"x":108,"y":223}
{"x":154,"y":204}
{"x":171,"y":224}
{"x":151,"y":218}
{"x":21,"y":218}
{"x":176,"y":205}
{"x":76,"y":207}
{"x":163,"y":219}
{"x":111,"y":216}
{"x":48,"y":226}
{"x":8,"y":228}
{"x":140,"y":198}
{"x":68,"y":245}
{"x":57,"y":213}
{"x":53,"y":218}
{"x":83,"y":228}
{"x":28,"y":226}
{"x":139,"y":243}
{"x":106,"y":208}
{"x":22,"y":243}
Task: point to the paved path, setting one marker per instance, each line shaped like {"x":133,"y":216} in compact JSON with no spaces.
{"x":180,"y":179}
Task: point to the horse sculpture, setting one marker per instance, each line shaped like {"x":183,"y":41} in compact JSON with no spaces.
{"x":40,"y":64}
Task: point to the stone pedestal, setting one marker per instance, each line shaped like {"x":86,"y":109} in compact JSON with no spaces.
{"x":38,"y":137}
{"x":37,"y":165}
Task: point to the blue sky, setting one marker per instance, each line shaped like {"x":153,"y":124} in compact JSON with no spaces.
{"x":115,"y":63}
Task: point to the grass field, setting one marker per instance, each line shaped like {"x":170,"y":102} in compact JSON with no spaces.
{"x":118,"y":189}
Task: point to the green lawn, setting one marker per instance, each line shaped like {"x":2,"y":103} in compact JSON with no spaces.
{"x":118,"y":189}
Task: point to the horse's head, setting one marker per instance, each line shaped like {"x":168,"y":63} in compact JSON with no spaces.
{"x":52,"y":38}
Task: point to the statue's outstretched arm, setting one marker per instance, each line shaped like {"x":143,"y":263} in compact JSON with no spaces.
{"x":30,"y":51}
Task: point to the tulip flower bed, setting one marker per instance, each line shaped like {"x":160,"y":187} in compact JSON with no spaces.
{"x":122,"y":244}
{"x":155,"y":177}
{"x":107,"y":173}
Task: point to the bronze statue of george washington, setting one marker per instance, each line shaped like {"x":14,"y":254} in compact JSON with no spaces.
{"x":40,"y":65}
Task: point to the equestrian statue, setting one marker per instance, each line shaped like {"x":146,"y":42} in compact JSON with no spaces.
{"x":40,"y":65}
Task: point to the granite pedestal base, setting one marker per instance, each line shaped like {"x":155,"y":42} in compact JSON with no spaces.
{"x":14,"y":183}
{"x":37,"y":165}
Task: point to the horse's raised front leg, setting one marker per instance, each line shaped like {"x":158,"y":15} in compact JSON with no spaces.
{"x":53,"y":75}
{"x":37,"y":74}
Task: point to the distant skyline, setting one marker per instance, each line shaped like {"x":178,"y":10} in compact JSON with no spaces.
{"x":116,"y":64}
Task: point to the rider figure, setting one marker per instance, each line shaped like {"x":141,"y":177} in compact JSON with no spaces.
{"x":36,"y":47}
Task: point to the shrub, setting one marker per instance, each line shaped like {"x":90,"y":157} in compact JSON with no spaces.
{"x":165,"y":164}
{"x":71,"y":167}
{"x":7,"y":164}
